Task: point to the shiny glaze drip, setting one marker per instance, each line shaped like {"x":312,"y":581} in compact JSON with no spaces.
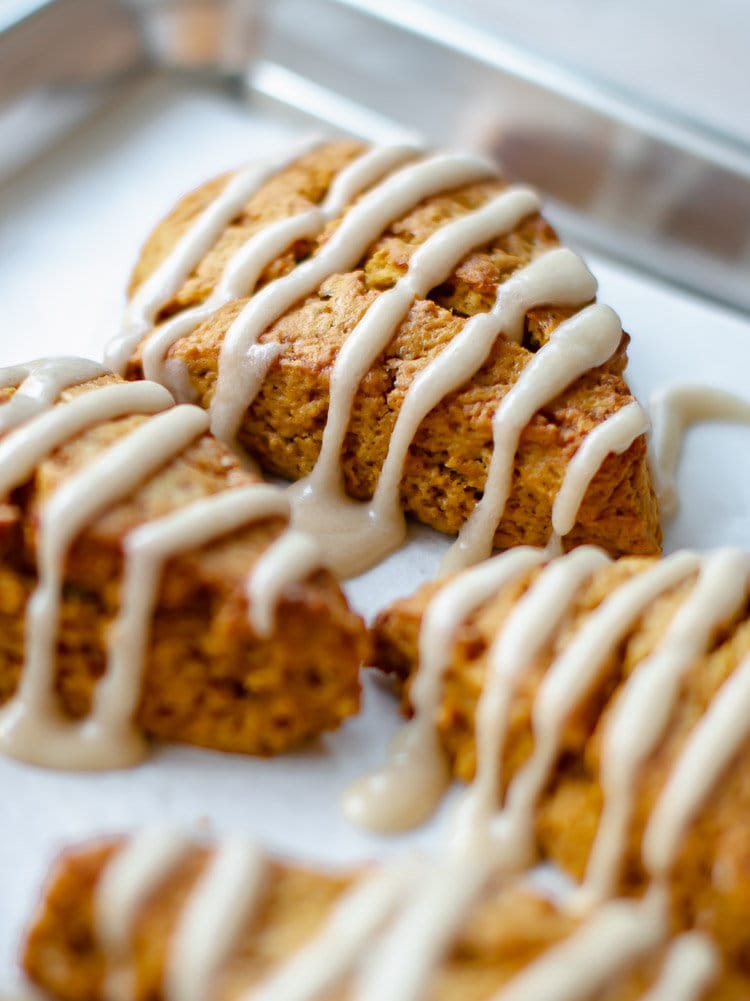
{"x":673,"y":411}
{"x":573,"y":674}
{"x":23,"y":450}
{"x":237,"y":385}
{"x":147,"y":549}
{"x":39,"y":383}
{"x":637,"y":724}
{"x":386,"y":934}
{"x":401,"y":964}
{"x":691,"y":966}
{"x":365,"y":532}
{"x":129,"y":880}
{"x":355,"y":920}
{"x":647,"y":701}
{"x":389,"y":932}
{"x":246,"y":266}
{"x":32,"y":727}
{"x":574,"y":671}
{"x":291,"y":558}
{"x":32,"y":724}
{"x":586,"y":340}
{"x":615,"y":435}
{"x":179,"y":264}
{"x":407,"y":789}
{"x":528,"y":630}
{"x":219,"y":907}
{"x":371,"y":530}
{"x":610,"y":943}
{"x":716,"y":739}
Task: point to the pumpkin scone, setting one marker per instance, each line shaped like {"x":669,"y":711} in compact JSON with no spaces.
{"x":601,"y":712}
{"x":158,"y":916}
{"x":150,"y":586}
{"x":399,"y":332}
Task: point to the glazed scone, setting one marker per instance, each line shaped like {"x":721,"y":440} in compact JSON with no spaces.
{"x":170,"y":600}
{"x":602,"y":707}
{"x":292,"y":934}
{"x":445,"y":284}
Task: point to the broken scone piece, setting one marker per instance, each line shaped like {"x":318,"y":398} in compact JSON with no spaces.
{"x":150,"y":586}
{"x":400,"y":332}
{"x":160,"y":917}
{"x":601,"y":712}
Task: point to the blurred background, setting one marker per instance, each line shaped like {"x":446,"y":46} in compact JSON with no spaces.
{"x":690,"y":55}
{"x":631,"y":117}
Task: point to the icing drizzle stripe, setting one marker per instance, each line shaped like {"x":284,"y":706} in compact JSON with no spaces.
{"x":365,"y":532}
{"x":32,"y":725}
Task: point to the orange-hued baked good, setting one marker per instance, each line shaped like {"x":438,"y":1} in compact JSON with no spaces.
{"x":149,"y":585}
{"x":602,"y":707}
{"x":110,"y":925}
{"x":402,"y":329}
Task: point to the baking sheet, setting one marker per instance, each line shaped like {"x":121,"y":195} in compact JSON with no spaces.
{"x":70,"y":228}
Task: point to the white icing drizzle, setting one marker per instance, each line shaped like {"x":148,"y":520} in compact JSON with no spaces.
{"x":386,"y":934}
{"x":32,"y":725}
{"x":39,"y":383}
{"x":615,"y":938}
{"x":614,"y":435}
{"x":236,"y":385}
{"x":244,"y":269}
{"x":364,"y":533}
{"x":109,"y":733}
{"x":129,"y":879}
{"x":580,"y":343}
{"x":558,"y":278}
{"x":637,"y":723}
{"x":216,"y":913}
{"x":389,"y":928}
{"x":646,"y":703}
{"x":23,"y":450}
{"x":390,"y":931}
{"x":357,"y":916}
{"x":690,"y":967}
{"x":673,"y":411}
{"x":290,"y":558}
{"x":188,"y":252}
{"x":714,"y":742}
{"x":528,"y":630}
{"x":408,"y":788}
{"x":574,"y":673}
{"x":238,"y":280}
{"x":400,"y":965}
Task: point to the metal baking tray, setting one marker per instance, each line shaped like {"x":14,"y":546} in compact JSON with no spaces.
{"x":664,"y":195}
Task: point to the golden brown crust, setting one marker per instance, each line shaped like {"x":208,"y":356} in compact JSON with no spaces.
{"x":447,"y":464}
{"x":208,"y":678}
{"x":711,"y":879}
{"x":505,"y":932}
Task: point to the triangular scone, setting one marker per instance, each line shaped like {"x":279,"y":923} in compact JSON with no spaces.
{"x":245,"y":294}
{"x":170,"y":600}
{"x":419,"y":931}
{"x":604,"y":706}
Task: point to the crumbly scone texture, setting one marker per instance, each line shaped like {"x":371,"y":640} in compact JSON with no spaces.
{"x":507,"y":929}
{"x":447,"y":464}
{"x":208,"y":679}
{"x":710,"y":883}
